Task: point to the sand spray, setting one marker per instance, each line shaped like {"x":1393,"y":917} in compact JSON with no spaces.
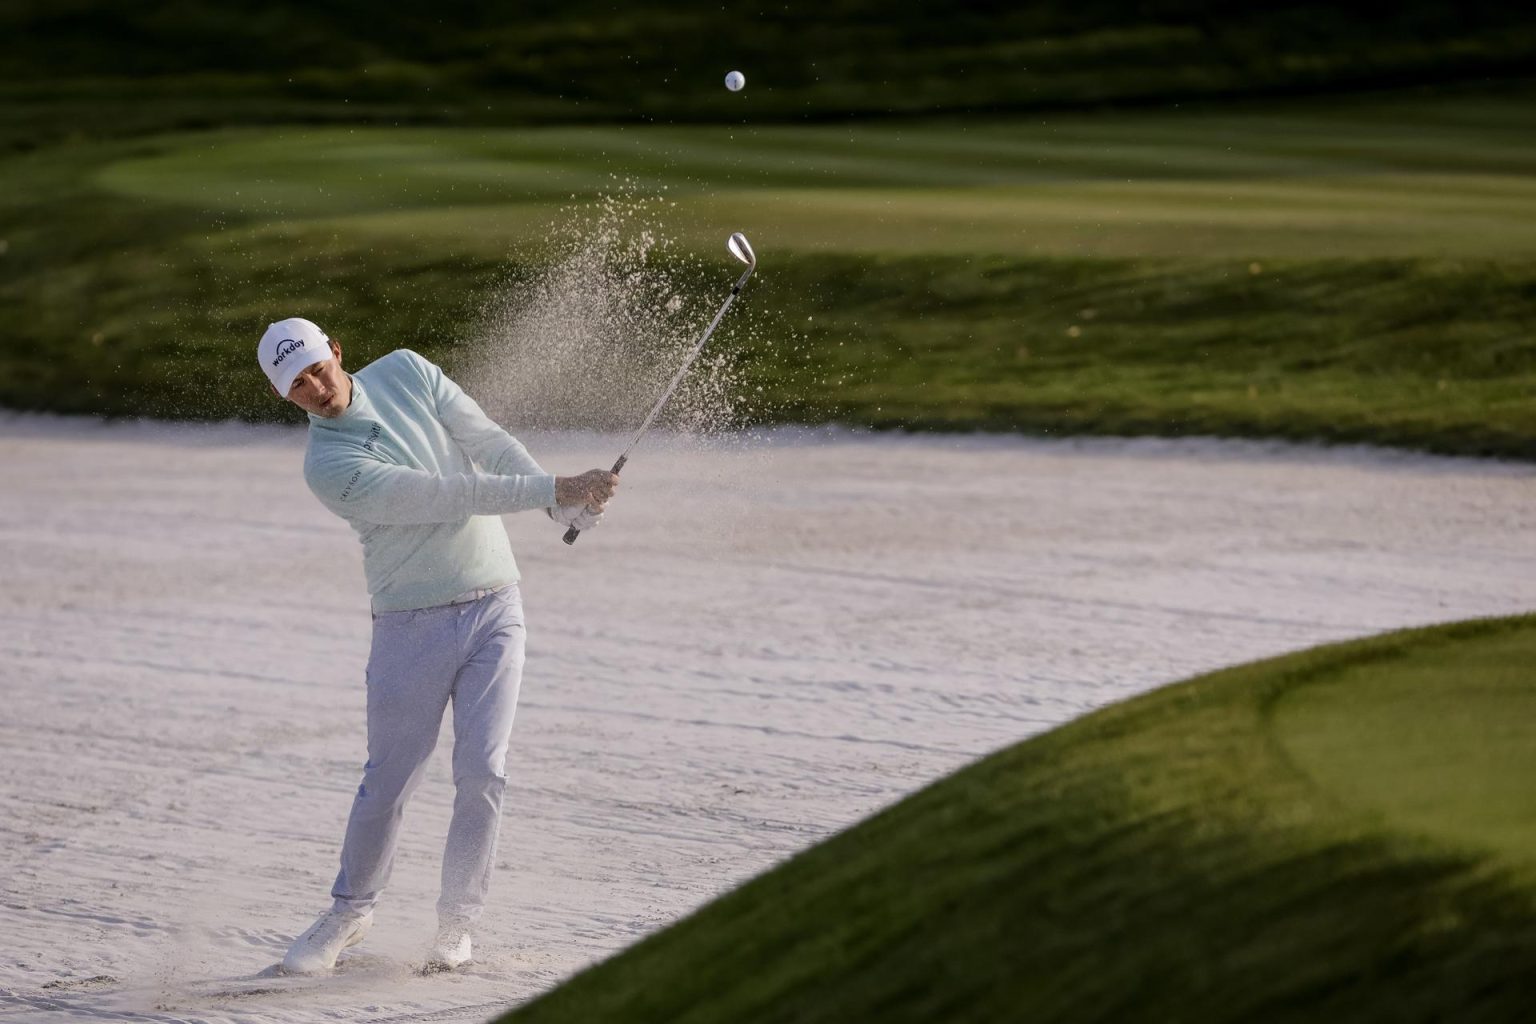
{"x":587,"y":337}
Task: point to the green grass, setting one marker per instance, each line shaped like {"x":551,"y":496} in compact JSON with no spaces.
{"x":89,"y":67}
{"x":1441,"y":747}
{"x":1342,"y":834}
{"x":1426,"y":178}
{"x":1363,"y":270}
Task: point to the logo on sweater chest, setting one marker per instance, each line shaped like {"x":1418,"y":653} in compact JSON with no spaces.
{"x":371,"y":446}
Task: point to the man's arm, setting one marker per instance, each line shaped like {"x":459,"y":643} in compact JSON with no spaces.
{"x":378,"y":492}
{"x":483,"y":440}
{"x":492,"y":448}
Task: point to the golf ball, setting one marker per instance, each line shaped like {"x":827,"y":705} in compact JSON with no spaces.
{"x":735,"y":80}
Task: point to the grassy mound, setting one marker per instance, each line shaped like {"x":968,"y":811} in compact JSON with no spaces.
{"x":1360,"y":272}
{"x":1342,"y":834}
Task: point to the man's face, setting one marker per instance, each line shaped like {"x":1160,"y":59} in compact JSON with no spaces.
{"x":323,"y":388}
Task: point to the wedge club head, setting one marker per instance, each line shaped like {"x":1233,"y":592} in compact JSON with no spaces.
{"x":741,"y":249}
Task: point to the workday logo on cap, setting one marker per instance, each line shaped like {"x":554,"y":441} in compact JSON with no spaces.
{"x":288,"y":348}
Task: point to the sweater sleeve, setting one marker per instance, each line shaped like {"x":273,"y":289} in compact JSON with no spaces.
{"x":484,"y":441}
{"x":372,"y":491}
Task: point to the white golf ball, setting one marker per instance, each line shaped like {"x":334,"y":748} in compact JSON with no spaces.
{"x":735,"y":80}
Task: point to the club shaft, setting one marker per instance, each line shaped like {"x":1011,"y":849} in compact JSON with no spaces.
{"x":682,"y":370}
{"x":572,"y":533}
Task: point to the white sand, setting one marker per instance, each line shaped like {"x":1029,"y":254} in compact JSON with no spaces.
{"x":756,"y":650}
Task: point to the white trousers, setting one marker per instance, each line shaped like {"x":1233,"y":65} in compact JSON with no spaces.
{"x":472,"y":655}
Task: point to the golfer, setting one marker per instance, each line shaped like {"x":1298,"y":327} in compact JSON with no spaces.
{"x":418,"y":470}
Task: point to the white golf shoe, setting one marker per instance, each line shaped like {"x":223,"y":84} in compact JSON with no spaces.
{"x":452,"y":947}
{"x":317,"y":949}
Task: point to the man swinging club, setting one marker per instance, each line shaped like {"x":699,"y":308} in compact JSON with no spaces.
{"x":401,"y":453}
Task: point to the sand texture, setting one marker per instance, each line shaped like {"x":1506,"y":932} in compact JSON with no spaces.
{"x":767,"y":640}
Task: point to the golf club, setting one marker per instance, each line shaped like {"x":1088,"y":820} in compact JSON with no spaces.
{"x":742,"y":250}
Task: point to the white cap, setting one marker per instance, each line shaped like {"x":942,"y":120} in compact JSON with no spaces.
{"x":288,"y":348}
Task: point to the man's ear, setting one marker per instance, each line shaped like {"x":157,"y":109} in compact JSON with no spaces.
{"x":336,"y":350}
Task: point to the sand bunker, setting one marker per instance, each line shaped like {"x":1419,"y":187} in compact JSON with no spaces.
{"x":766,"y":641}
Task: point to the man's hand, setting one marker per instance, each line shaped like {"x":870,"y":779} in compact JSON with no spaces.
{"x":592,"y":489}
{"x":579,"y":516}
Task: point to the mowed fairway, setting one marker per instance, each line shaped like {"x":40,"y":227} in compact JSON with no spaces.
{"x":1351,"y":179}
{"x":1343,"y":270}
{"x":1342,"y":834}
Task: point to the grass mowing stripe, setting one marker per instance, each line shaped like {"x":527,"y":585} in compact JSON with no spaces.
{"x":1158,"y":860}
{"x":1066,"y":221}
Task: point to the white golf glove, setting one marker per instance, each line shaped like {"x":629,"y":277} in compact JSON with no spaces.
{"x":578,"y":516}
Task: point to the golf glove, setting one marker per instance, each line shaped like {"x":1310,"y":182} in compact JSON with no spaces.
{"x":578,"y":516}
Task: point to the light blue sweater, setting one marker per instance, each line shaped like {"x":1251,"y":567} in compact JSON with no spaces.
{"x":400,"y":465}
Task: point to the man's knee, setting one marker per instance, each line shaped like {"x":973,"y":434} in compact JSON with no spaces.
{"x":391,"y":781}
{"x":487,"y":779}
